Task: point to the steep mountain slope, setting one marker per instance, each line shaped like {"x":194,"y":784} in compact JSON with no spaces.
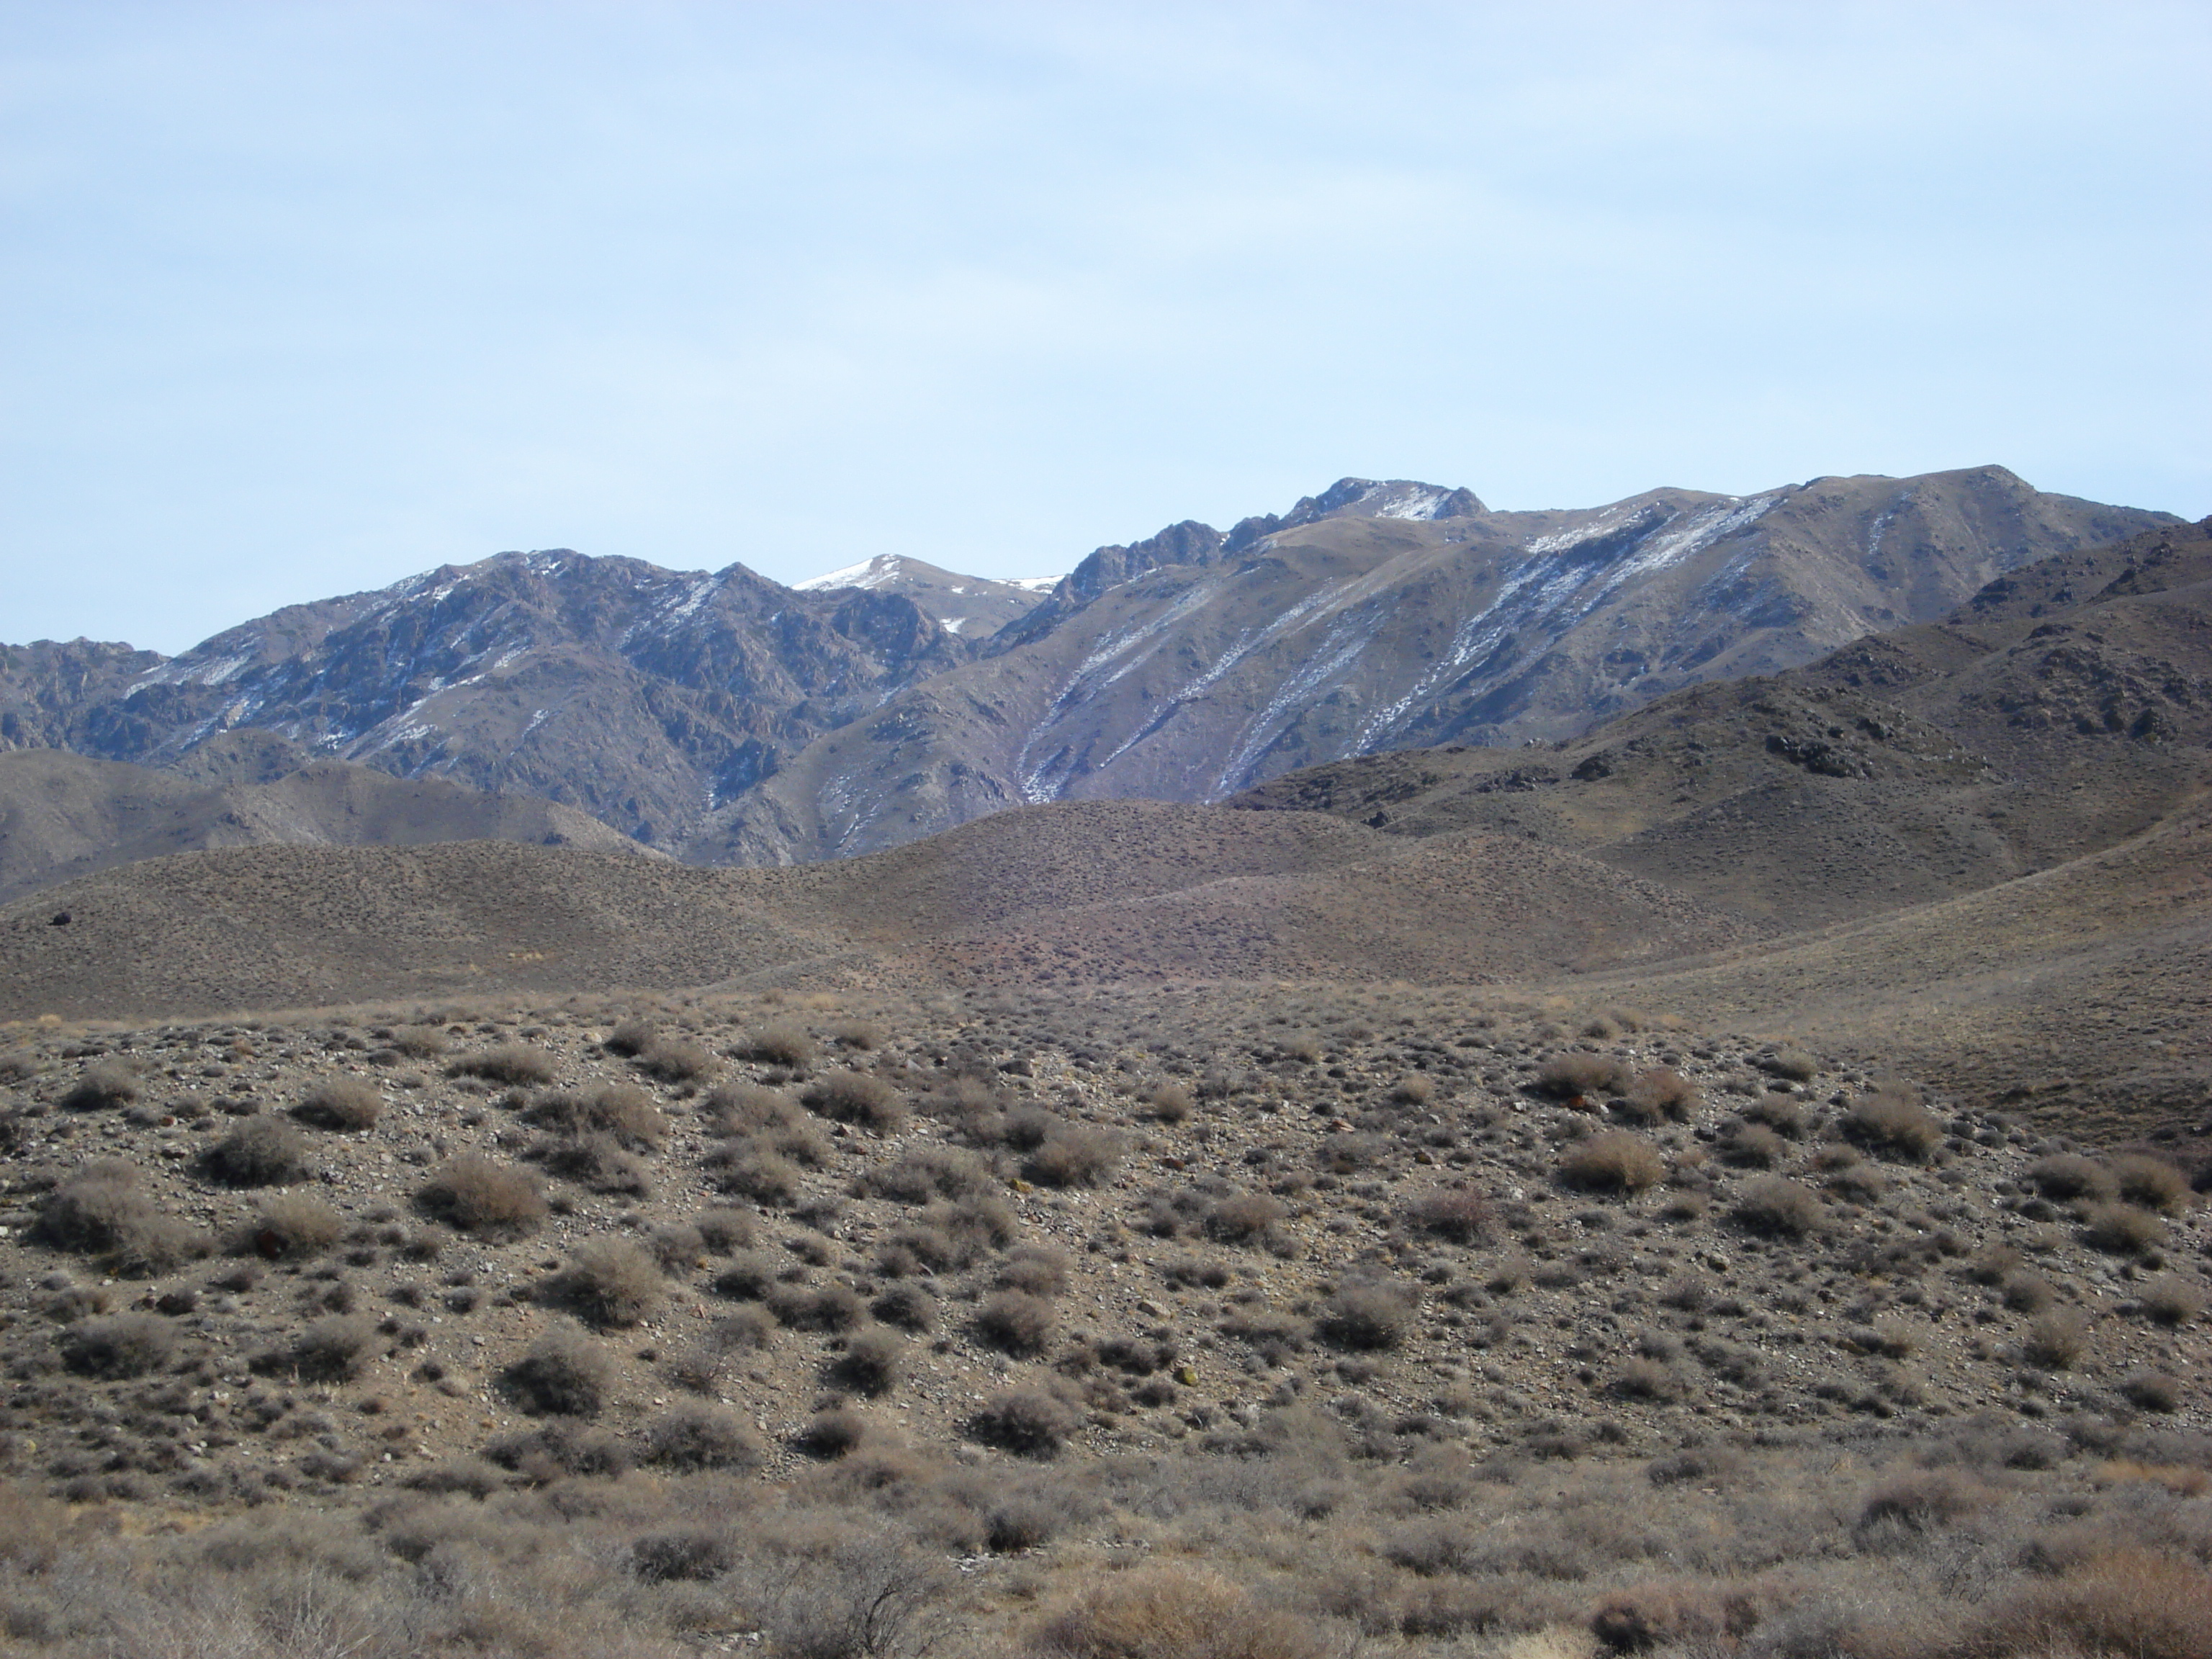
{"x":1377,"y":616}
{"x":64,"y":815}
{"x":641,"y":696}
{"x":974,"y":607}
{"x":730,"y":719}
{"x":2025,"y":729}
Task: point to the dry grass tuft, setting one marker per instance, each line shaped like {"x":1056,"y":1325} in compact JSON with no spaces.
{"x":480,"y":1195}
{"x":1170,"y":1614}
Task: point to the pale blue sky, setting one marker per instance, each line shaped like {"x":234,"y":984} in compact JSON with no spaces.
{"x":300,"y":298}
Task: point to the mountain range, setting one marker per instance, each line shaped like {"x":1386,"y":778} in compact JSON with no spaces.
{"x":725,"y":719}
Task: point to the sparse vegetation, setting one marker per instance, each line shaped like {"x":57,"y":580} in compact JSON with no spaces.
{"x":263,"y":1151}
{"x":478,"y":1195}
{"x":341,"y":1102}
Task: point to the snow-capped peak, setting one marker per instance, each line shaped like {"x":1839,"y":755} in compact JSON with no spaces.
{"x":872,"y":573}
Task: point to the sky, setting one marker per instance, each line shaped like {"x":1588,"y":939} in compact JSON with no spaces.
{"x":300,"y":297}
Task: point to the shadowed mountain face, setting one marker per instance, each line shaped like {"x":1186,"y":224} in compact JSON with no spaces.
{"x":726,"y":719}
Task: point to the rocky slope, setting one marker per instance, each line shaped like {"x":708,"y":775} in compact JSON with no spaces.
{"x":730,"y":719}
{"x":64,"y":815}
{"x":1379,"y":616}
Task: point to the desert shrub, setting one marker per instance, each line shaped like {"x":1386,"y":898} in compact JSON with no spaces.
{"x":2065,"y":1176}
{"x":1456,"y":1213}
{"x":1075,"y":1155}
{"x":1614,"y":1161}
{"x":861,"y":1097}
{"x":923,"y":1173}
{"x":2121,"y":1228}
{"x":836,"y":1432}
{"x":480,"y":1195}
{"x":782,"y":1043}
{"x":1777,"y":1205}
{"x":833,"y":1308}
{"x":1244,"y":1218}
{"x":1171,"y":1103}
{"x":341,"y":1102}
{"x":1780,"y":1113}
{"x":740,"y":1109}
{"x":630,"y":1037}
{"x":1660,"y":1092}
{"x":693,"y":1553}
{"x":608,"y":1282}
{"x":104,"y":1084}
{"x":860,"y":1034}
{"x":2173,"y":1301}
{"x":701,"y":1437}
{"x":2153,"y":1183}
{"x":2055,"y":1341}
{"x":1015,"y":1321}
{"x":564,"y":1375}
{"x":910,"y":1307}
{"x":676,"y":1247}
{"x":723,"y":1231}
{"x":2027,"y":1293}
{"x":748,"y":1277}
{"x":468,"y":1477}
{"x":677,"y":1060}
{"x":95,"y":1209}
{"x":1038,"y":1269}
{"x":1414,"y":1089}
{"x":263,"y":1151}
{"x":1677,"y":1618}
{"x":419,"y":1042}
{"x":1646,"y":1379}
{"x":750,"y":1170}
{"x":1753,"y":1147}
{"x":1028,"y":1422}
{"x":1892,"y":1122}
{"x":122,"y":1345}
{"x":290,"y":1228}
{"x":1576,"y":1077}
{"x":2124,"y":1604}
{"x":1924,"y":1499}
{"x":558,"y":1448}
{"x":1792,"y":1063}
{"x":1167,"y":1614}
{"x":621,"y":1110}
{"x":701,"y":1365}
{"x":872,"y":1362}
{"x":2151,"y":1391}
{"x":1369,"y":1314}
{"x":594,"y":1162}
{"x":333,"y":1349}
{"x":515,"y":1063}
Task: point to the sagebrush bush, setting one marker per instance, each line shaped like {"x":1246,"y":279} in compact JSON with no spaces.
{"x":1777,"y":1206}
{"x":2055,"y":1341}
{"x":782,"y":1043}
{"x":2121,"y":1228}
{"x":2065,"y":1176}
{"x":910,"y":1307}
{"x":629,"y":1037}
{"x":751,"y":1169}
{"x":2152,"y":1183}
{"x":873,"y":1362}
{"x":849,"y":1097}
{"x":1171,"y":1103}
{"x":1579,"y":1077}
{"x":1039,"y":1269}
{"x":557,"y":1448}
{"x":702,"y":1436}
{"x":1245,"y":1217}
{"x":608,"y":1282}
{"x":1369,"y":1314}
{"x":104,"y":1084}
{"x":836,"y":1431}
{"x":1658,"y":1092}
{"x":2172,"y":1300}
{"x":677,"y":1060}
{"x":2121,"y":1604}
{"x":2152,"y":1391}
{"x":124,"y":1344}
{"x":1456,"y":1213}
{"x":510,"y":1062}
{"x":291,"y":1228}
{"x":1028,"y":1422}
{"x":563,"y":1375}
{"x":724,"y":1230}
{"x":1614,"y":1161}
{"x":1753,"y":1147}
{"x":341,"y":1102}
{"x":333,"y":1349}
{"x":102,"y":1209}
{"x":1892,"y":1122}
{"x":923,"y":1173}
{"x":621,"y":1110}
{"x":1173,"y":1613}
{"x":263,"y":1151}
{"x":1015,"y":1321}
{"x":481,"y":1195}
{"x":596,"y":1162}
{"x":1075,"y":1155}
